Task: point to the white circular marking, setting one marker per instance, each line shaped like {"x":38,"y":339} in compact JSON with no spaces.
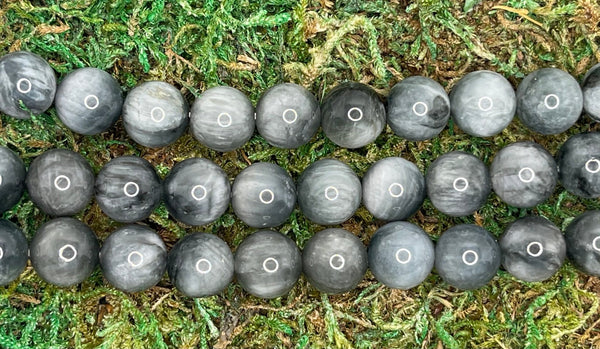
{"x":20,"y":88}
{"x":460,"y":180}
{"x":269,"y":192}
{"x":539,"y":246}
{"x":61,"y":253}
{"x":396,"y":190}
{"x":135,"y":192}
{"x":470,"y":253}
{"x":228,"y":120}
{"x":199,"y":187}
{"x":93,"y":106}
{"x":596,"y":243}
{"x":272,"y":269}
{"x":485,"y":103}
{"x":423,"y":108}
{"x":355,"y":118}
{"x":1,"y":253}
{"x":340,"y":261}
{"x":135,"y":255}
{"x":555,"y":99}
{"x":329,"y":190}
{"x":526,"y":175}
{"x":157,"y":114}
{"x":203,"y":266}
{"x":406,"y":259}
{"x":0,"y":179}
{"x":286,"y":117}
{"x":593,"y":162}
{"x":57,"y":180}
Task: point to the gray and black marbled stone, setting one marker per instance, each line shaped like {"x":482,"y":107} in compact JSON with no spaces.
{"x":353,"y":115}
{"x":329,"y":192}
{"x":583,"y":242}
{"x":591,"y":93}
{"x":483,"y":103}
{"x":418,"y":108}
{"x":267,"y":264}
{"x":401,"y":255}
{"x":578,"y":162}
{"x":197,"y":191}
{"x":523,"y":174}
{"x":64,"y":251}
{"x":155,"y":114}
{"x":222,"y":118}
{"x":128,"y":189}
{"x":133,"y":258}
{"x":393,"y":189}
{"x":263,"y":195}
{"x":200,"y":265}
{"x":334,"y":261}
{"x":458,"y":183}
{"x":25,"y":78}
{"x":287,"y":115}
{"x":13,"y":252}
{"x":533,"y":249}
{"x":60,"y":182}
{"x":467,"y":256}
{"x":12,"y":179}
{"x":88,"y":101}
{"x":549,"y":101}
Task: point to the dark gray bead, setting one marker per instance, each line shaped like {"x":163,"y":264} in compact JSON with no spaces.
{"x":353,"y":115}
{"x":533,"y":249}
{"x":12,"y":179}
{"x":88,"y":101}
{"x":267,"y":264}
{"x":329,"y":192}
{"x":197,"y":191}
{"x":133,"y":258}
{"x":287,"y":115}
{"x":334,"y":261}
{"x":128,"y":189}
{"x":578,"y":162}
{"x":393,"y":189}
{"x":483,"y":103}
{"x":222,"y":118}
{"x":523,"y":174}
{"x":155,"y":114}
{"x":549,"y":101}
{"x":418,"y":108}
{"x":263,"y":195}
{"x":583,"y":242}
{"x":591,"y":93}
{"x":13,"y":252}
{"x":401,"y":255}
{"x":60,"y":182}
{"x":200,"y":265}
{"x":467,"y":256}
{"x":27,"y":84}
{"x":64,"y":252}
{"x":458,"y":183}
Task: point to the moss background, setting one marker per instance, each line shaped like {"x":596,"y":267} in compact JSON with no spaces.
{"x":253,"y":45}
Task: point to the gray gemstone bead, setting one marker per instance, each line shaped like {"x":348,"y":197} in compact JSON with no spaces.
{"x":12,"y":179}
{"x":13,"y":252}
{"x":591,"y":93}
{"x":578,"y":162}
{"x":583,"y":242}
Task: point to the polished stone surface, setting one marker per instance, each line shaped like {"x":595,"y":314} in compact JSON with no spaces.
{"x":578,"y":162}
{"x":353,"y":115}
{"x":12,"y":179}
{"x":197,"y":191}
{"x":222,"y":118}
{"x":591,"y":93}
{"x":60,"y":182}
{"x":583,"y":242}
{"x":523,"y":174}
{"x":329,"y":192}
{"x":25,"y":78}
{"x":401,"y":255}
{"x":64,"y":251}
{"x":200,"y":265}
{"x":267,"y":264}
{"x":287,"y":115}
{"x":393,"y":189}
{"x":458,"y":183}
{"x":549,"y":101}
{"x":334,"y":261}
{"x":128,"y":189}
{"x":13,"y":252}
{"x":133,"y":258}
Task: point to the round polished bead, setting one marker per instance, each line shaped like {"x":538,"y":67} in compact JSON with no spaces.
{"x":12,"y":179}
{"x":583,"y":242}
{"x":591,"y":93}
{"x":13,"y":252}
{"x":578,"y":162}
